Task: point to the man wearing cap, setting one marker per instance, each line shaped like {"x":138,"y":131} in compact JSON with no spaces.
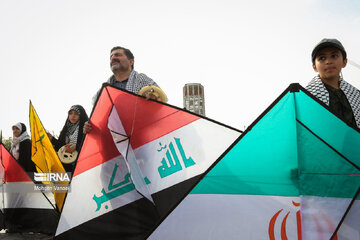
{"x":328,"y":59}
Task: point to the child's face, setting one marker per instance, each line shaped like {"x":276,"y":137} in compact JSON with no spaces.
{"x":328,"y":63}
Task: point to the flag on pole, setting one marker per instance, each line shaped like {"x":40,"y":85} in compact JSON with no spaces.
{"x":43,"y":153}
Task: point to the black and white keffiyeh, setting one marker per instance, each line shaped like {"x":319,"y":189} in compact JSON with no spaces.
{"x":72,"y":132}
{"x":136,"y":81}
{"x":317,"y":88}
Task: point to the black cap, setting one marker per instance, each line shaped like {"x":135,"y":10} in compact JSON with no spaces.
{"x":326,"y":42}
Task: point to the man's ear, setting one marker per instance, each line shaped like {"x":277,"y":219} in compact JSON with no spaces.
{"x":314,"y":67}
{"x":132,"y":62}
{"x":344,"y":62}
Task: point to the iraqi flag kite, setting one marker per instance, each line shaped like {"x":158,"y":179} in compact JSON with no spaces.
{"x":137,"y":163}
{"x":25,"y":209}
{"x":43,"y":154}
{"x":293,"y":174}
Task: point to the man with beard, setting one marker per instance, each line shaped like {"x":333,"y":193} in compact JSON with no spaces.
{"x":125,"y":77}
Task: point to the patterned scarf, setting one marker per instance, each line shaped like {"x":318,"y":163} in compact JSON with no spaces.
{"x":318,"y":89}
{"x":15,"y":145}
{"x":72,"y":132}
{"x":72,"y":129}
{"x":136,"y":81}
{"x":74,"y":107}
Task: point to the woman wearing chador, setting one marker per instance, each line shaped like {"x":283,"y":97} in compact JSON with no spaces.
{"x":71,"y":136}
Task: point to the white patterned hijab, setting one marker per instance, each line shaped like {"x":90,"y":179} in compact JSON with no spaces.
{"x":15,"y":144}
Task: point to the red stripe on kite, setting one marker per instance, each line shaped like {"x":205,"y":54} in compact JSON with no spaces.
{"x":143,"y":120}
{"x":13,"y":171}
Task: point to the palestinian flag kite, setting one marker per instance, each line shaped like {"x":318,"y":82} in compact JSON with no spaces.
{"x":293,"y":174}
{"x":25,"y":208}
{"x":139,"y":160}
{"x":43,"y":154}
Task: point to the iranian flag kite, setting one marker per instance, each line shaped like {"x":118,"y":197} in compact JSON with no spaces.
{"x":293,"y":174}
{"x":140,"y":159}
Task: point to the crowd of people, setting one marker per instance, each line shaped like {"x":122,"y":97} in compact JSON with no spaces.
{"x":328,"y":58}
{"x":77,"y":124}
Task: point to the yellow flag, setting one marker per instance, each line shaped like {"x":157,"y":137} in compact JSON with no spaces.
{"x":43,"y":153}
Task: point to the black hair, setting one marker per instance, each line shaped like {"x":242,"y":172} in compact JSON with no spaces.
{"x":127,"y":52}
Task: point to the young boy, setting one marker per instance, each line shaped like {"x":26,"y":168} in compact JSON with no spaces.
{"x":328,"y":59}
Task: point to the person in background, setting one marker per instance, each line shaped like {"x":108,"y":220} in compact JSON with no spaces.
{"x":328,"y":59}
{"x":71,"y":135}
{"x":21,"y":147}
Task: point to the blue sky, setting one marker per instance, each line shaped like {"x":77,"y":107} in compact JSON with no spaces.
{"x":245,"y":53}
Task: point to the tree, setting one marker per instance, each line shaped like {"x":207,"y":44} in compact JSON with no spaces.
{"x":7,"y":142}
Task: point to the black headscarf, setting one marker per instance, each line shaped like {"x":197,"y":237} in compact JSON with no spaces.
{"x":83,"y":118}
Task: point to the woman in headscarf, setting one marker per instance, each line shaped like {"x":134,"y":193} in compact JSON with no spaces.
{"x":71,"y":136}
{"x":21,"y":147}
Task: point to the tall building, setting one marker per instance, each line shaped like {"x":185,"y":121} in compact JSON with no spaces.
{"x":194,"y":100}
